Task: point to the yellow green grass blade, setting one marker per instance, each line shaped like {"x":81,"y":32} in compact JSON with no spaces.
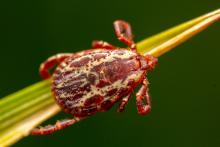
{"x":161,"y":43}
{"x":22,"y":111}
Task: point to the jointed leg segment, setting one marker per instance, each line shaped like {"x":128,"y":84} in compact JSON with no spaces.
{"x":141,"y":96}
{"x":123,"y":103}
{"x":102,"y":44}
{"x":124,"y":33}
{"x":58,"y":126}
{"x":50,"y":62}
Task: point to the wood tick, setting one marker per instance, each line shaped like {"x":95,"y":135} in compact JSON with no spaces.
{"x":91,"y":81}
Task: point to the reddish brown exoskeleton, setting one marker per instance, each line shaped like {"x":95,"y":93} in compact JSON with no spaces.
{"x":93,"y":80}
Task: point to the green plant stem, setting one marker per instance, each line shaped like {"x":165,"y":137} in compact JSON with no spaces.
{"x":22,"y":93}
{"x":154,"y":41}
{"x":22,"y":111}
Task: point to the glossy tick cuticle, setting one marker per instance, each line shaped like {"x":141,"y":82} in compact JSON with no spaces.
{"x":91,"y":81}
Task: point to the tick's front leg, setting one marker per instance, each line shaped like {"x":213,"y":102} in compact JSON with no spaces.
{"x":123,"y":103}
{"x":124,"y":33}
{"x":50,"y":63}
{"x":53,"y":128}
{"x":143,"y":101}
{"x":102,"y":44}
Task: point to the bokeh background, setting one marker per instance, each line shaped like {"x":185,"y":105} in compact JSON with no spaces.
{"x":184,"y":87}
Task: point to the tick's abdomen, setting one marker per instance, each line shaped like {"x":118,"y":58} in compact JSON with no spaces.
{"x":94,"y":80}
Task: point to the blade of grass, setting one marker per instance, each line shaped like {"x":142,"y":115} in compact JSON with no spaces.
{"x":182,"y":37}
{"x":22,"y":111}
{"x":13,"y":109}
{"x":23,"y":127}
{"x":10,"y":99}
{"x":154,"y":41}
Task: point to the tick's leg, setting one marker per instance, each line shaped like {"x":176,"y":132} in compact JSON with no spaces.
{"x":53,"y":128}
{"x":143,"y":97}
{"x":51,"y":62}
{"x":123,"y":103}
{"x":151,"y":61}
{"x":102,"y":44}
{"x":124,"y":33}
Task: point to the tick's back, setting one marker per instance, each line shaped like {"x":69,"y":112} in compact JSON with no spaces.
{"x":95,"y":79}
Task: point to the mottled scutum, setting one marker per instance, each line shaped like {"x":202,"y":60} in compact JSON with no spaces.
{"x":93,"y":81}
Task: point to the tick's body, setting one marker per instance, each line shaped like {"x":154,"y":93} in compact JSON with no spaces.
{"x":93,"y":80}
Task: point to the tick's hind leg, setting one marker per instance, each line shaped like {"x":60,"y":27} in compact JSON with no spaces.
{"x":50,"y":63}
{"x":123,"y":103}
{"x":143,"y":97}
{"x":53,"y":128}
{"x":124,"y":33}
{"x":102,"y":44}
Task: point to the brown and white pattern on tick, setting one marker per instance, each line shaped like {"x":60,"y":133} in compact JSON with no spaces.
{"x":96,"y":79}
{"x":93,"y":80}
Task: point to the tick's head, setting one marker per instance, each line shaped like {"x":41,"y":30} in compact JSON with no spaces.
{"x":148,"y":62}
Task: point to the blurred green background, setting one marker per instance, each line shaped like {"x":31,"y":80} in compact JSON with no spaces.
{"x":184,"y":87}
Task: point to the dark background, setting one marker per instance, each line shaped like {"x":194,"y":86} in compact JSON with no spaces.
{"x":184,"y":87}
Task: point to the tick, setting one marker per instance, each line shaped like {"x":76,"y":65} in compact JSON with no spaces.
{"x":91,"y":81}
